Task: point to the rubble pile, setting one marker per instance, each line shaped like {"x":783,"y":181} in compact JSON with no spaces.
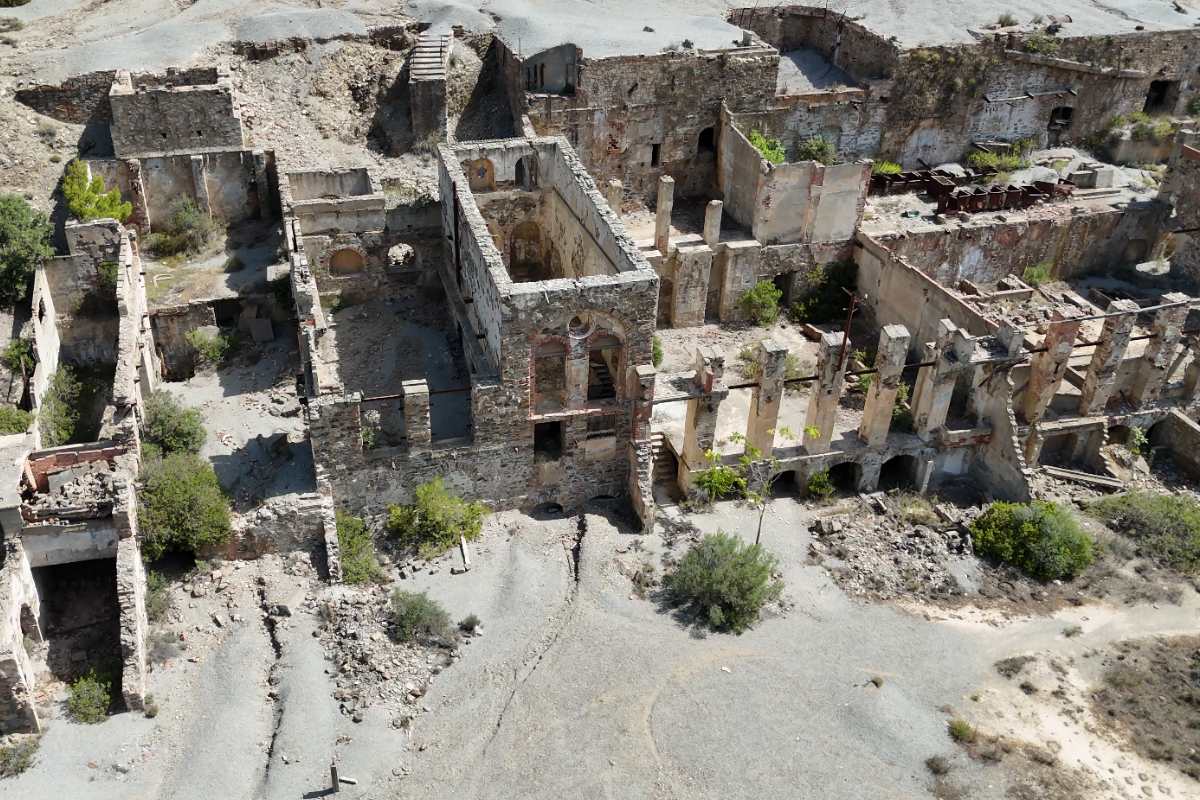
{"x":883,"y":559}
{"x":370,"y":667}
{"x":82,"y":490}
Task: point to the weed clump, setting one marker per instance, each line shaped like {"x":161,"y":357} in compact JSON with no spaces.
{"x":1166,"y":527}
{"x":817,"y":149}
{"x":211,"y":348}
{"x":1037,"y":274}
{"x":89,"y":699}
{"x":770,"y":149}
{"x":761,"y":302}
{"x":961,"y":731}
{"x":17,"y":757}
{"x":416,"y":617}
{"x":188,"y":229}
{"x":723,"y":582}
{"x":886,"y":168}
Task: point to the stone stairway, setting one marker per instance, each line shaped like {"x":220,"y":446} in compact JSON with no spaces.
{"x":430,"y":58}
{"x":666,"y":466}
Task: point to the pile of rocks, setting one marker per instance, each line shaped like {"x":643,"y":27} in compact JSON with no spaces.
{"x":884,"y":559}
{"x":370,"y":667}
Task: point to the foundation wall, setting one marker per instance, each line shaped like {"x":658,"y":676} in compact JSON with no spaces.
{"x":157,"y":114}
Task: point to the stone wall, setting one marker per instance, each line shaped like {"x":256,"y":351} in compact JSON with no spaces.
{"x":18,"y":602}
{"x":191,"y":112}
{"x":851,"y":120}
{"x":170,"y":327}
{"x":861,"y":53}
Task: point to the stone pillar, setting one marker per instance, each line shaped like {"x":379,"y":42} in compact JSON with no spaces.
{"x":662,"y":214}
{"x":881,"y":397}
{"x":700,"y":429}
{"x":1160,"y":351}
{"x":200,"y":184}
{"x":740,"y":274}
{"x":614,"y":192}
{"x":641,"y":450}
{"x":689,"y":291}
{"x":765,"y":398}
{"x":641,"y":388}
{"x":825,"y":393}
{"x":262,"y":185}
{"x":577,"y":373}
{"x":935,"y":384}
{"x":712,"y":223}
{"x":1048,"y":367}
{"x":1106,"y":359}
{"x":137,"y":196}
{"x":416,"y":413}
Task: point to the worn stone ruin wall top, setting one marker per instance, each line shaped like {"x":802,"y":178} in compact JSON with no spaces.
{"x":861,"y":53}
{"x":152,"y":118}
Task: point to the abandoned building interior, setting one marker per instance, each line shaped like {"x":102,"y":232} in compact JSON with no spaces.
{"x":561,"y":317}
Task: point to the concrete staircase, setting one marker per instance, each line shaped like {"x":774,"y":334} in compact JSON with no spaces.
{"x":666,"y":466}
{"x":427,"y":67}
{"x":429,"y":60}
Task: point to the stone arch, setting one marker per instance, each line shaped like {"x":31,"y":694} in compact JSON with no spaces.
{"x":898,"y":472}
{"x":481,"y":174}
{"x":345,"y":261}
{"x":706,"y":142}
{"x":846,"y":476}
{"x":526,"y":175}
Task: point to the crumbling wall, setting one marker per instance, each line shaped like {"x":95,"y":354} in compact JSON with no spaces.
{"x":18,"y":600}
{"x":171,"y":326}
{"x":162,"y":114}
{"x":852,"y":120}
{"x":847,"y":44}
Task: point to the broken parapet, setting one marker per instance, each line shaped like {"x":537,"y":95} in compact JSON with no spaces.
{"x":427,"y":67}
{"x":825,"y":393}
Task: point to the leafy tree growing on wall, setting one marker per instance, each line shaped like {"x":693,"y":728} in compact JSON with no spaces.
{"x":87,"y":199}
{"x":24,"y":243}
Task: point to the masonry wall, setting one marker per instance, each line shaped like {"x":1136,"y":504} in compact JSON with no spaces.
{"x":861,"y":53}
{"x":161,"y":114}
{"x":17,"y":679}
{"x":851,"y":120}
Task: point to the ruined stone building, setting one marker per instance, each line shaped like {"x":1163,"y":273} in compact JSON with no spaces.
{"x":499,"y":332}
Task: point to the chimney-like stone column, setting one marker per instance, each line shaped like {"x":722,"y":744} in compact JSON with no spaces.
{"x":416,"y":413}
{"x":1048,"y":367}
{"x":1106,"y":358}
{"x":1160,"y":351}
{"x":881,"y":397}
{"x":662,"y":214}
{"x":712,"y":222}
{"x":766,"y":397}
{"x":825,"y":393}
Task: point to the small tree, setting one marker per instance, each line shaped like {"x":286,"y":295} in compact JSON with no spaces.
{"x":723,"y":582}
{"x":359,"y":564}
{"x":24,"y":243}
{"x":171,"y":427}
{"x":415,"y":616}
{"x":182,"y":506}
{"x":1040,"y":538}
{"x":89,"y":699}
{"x":436,"y":520}
{"x":86,"y":198}
{"x":59,"y":412}
{"x":761,"y":302}
{"x":13,"y":420}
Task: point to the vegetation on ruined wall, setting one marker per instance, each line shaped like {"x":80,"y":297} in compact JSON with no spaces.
{"x":357,"y":550}
{"x":1037,"y":274}
{"x":1041,"y":43}
{"x":416,"y":617}
{"x":24,"y":243}
{"x":435,"y":520}
{"x":1041,"y":539}
{"x":13,"y":420}
{"x":18,"y":356}
{"x":88,"y":200}
{"x":886,"y":168}
{"x":825,"y":297}
{"x":820,"y":485}
{"x":770,"y":148}
{"x":89,"y":699}
{"x":171,"y":427}
{"x":58,"y":415}
{"x":939,"y":80}
{"x":1165,"y":527}
{"x":181,"y":506}
{"x":719,"y":481}
{"x":723,"y":582}
{"x":761,"y":302}
{"x":817,"y":148}
{"x":187,"y":230}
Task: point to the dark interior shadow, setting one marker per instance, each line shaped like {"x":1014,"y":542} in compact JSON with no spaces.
{"x":487,"y":114}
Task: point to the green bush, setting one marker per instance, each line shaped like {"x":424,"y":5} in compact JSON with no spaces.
{"x":17,"y":757}
{"x":469,"y":624}
{"x":188,"y":229}
{"x":1038,"y":274}
{"x":1040,"y":538}
{"x":182,"y":507}
{"x":158,"y":596}
{"x":820,"y":485}
{"x":13,"y":3}
{"x":816,"y":149}
{"x":436,"y":520}
{"x":416,"y":617}
{"x":211,"y":348}
{"x":59,"y":413}
{"x":825,"y":297}
{"x":24,"y":243}
{"x":961,"y":731}
{"x":1152,"y":129}
{"x":171,"y":427}
{"x":87,"y":200}
{"x":984,"y":161}
{"x":13,"y":420}
{"x":902,"y":420}
{"x":886,"y":168}
{"x":89,"y":699}
{"x":1042,"y":43}
{"x":1193,"y":107}
{"x":1165,"y":526}
{"x":761,"y":302}
{"x":359,"y":564}
{"x":656,"y":352}
{"x":771,"y":149}
{"x":18,"y":356}
{"x":719,"y":481}
{"x":1137,"y":441}
{"x":723,"y":582}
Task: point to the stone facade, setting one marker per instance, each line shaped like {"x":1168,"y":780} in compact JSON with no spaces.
{"x":192,"y":111}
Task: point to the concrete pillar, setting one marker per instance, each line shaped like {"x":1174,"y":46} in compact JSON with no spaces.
{"x":577,"y":373}
{"x":1160,"y":351}
{"x":640,"y":383}
{"x":614,"y":192}
{"x":739,"y":275}
{"x":712,"y":223}
{"x":416,"y":413}
{"x":1106,"y":359}
{"x":689,"y":291}
{"x":765,"y":398}
{"x":881,"y":397}
{"x":700,"y":428}
{"x":662,"y":214}
{"x":1048,"y":367}
{"x":200,"y":184}
{"x":935,"y":384}
{"x":824,"y":394}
